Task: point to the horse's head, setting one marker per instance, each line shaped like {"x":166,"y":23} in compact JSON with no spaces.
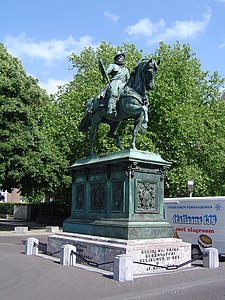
{"x":150,"y":68}
{"x":142,"y":77}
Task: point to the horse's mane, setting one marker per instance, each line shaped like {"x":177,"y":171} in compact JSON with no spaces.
{"x":133,"y":75}
{"x":130,"y":81}
{"x":136,"y":73}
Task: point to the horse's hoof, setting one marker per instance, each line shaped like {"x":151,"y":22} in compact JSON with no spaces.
{"x":133,"y":147}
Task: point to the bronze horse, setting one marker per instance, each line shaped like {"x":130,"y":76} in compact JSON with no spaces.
{"x":132,"y":104}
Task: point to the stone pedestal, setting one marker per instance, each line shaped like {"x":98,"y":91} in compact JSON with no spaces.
{"x":117,"y":208}
{"x":119,"y":195}
{"x":148,"y":255}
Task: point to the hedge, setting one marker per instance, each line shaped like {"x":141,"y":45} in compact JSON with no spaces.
{"x":7,"y":208}
{"x":50,"y":211}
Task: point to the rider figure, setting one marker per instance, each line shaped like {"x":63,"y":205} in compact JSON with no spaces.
{"x":119,"y":75}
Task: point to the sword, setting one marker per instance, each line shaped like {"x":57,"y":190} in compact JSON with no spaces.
{"x":103,"y":71}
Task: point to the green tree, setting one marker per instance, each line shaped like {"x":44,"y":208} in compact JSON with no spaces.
{"x":29,"y":159}
{"x":187,"y":125}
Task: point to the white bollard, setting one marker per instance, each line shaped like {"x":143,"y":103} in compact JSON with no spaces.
{"x":210,"y":258}
{"x":21,"y":230}
{"x":67,"y":258}
{"x":123,"y":268}
{"x":30,"y":248}
{"x":54,"y":229}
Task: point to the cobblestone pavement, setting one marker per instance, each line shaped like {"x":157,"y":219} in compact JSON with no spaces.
{"x":39,"y":277}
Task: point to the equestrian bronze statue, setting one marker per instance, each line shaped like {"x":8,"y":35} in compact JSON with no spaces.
{"x":131,"y":103}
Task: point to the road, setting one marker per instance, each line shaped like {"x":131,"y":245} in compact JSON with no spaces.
{"x":42,"y":277}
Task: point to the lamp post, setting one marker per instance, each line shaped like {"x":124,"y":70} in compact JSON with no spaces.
{"x":190,"y":187}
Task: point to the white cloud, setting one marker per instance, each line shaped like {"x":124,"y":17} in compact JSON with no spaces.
{"x":49,"y":51}
{"x":112,"y":17}
{"x":52,"y":52}
{"x":222,"y":45}
{"x":158,"y":31}
{"x":52,"y":85}
{"x":145,"y":27}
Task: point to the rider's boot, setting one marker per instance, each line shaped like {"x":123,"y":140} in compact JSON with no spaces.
{"x":112,"y":106}
{"x":101,"y":97}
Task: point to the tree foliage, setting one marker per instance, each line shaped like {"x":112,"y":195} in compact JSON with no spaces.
{"x":29,"y":159}
{"x":187,"y":124}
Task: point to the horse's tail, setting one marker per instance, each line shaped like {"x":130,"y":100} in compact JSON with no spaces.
{"x":85,"y":123}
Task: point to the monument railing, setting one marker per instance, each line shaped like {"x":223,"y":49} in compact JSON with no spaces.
{"x":89,"y":262}
{"x":41,"y":248}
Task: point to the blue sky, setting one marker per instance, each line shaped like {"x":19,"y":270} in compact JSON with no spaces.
{"x":43,"y":33}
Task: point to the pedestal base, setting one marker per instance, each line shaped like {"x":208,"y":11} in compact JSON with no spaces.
{"x":119,"y":228}
{"x":149,"y":255}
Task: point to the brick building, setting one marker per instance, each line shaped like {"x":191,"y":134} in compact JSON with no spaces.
{"x":14,"y":196}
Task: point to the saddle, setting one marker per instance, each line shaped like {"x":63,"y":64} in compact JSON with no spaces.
{"x":126,"y":92}
{"x":130,"y":92}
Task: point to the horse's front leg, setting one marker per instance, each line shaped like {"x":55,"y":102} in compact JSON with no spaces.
{"x":91,"y":144}
{"x":144,"y":123}
{"x":137,"y":125}
{"x":133,"y":143}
